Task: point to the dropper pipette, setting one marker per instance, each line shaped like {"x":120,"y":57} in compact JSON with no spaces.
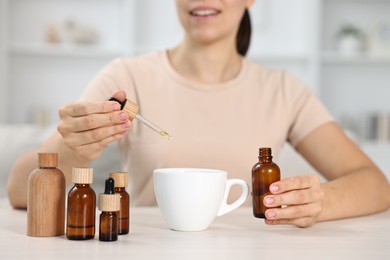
{"x":132,"y":110}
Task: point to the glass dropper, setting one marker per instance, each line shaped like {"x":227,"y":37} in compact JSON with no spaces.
{"x":132,"y":110}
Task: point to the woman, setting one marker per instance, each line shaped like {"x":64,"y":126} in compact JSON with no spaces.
{"x":220,"y":108}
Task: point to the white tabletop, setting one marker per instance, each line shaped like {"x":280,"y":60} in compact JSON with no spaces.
{"x":237,"y":235}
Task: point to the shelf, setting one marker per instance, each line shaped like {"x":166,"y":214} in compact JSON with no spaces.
{"x":279,"y":58}
{"x":74,"y":51}
{"x":80,"y":51}
{"x":334,"y":58}
{"x":357,"y":1}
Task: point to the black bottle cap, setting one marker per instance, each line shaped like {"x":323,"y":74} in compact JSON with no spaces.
{"x":109,"y":186}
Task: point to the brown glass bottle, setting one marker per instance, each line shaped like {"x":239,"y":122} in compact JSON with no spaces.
{"x":108,"y":226}
{"x":81,"y":206}
{"x":46,"y":198}
{"x":264,"y":173}
{"x":109,"y":204}
{"x":121,"y":182}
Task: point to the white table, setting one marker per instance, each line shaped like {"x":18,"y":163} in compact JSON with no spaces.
{"x":237,"y":235}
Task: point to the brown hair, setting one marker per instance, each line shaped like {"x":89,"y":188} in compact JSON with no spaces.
{"x":244,"y":34}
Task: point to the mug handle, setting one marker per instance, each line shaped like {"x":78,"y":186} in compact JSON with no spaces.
{"x":225,"y":208}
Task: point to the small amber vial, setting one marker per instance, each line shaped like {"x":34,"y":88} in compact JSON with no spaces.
{"x":81,"y":206}
{"x":264,"y":173}
{"x":109,"y":204}
{"x":121,"y":182}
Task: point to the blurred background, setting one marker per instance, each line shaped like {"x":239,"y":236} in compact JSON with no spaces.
{"x":51,"y":49}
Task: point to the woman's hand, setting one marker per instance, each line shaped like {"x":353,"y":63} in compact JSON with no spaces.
{"x":88,"y":127}
{"x":301,"y":200}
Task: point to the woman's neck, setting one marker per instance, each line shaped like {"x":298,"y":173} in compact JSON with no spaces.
{"x":206,"y":64}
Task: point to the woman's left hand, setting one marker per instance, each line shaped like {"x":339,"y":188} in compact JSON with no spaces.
{"x":301,"y":200}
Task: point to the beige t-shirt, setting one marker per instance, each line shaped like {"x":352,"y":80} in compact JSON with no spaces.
{"x":217,"y":126}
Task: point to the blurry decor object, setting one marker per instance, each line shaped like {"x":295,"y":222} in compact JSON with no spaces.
{"x":380,"y":38}
{"x":80,"y":34}
{"x":349,"y":40}
{"x":52,"y":34}
{"x":41,"y":116}
{"x":372,"y":126}
{"x":378,"y":126}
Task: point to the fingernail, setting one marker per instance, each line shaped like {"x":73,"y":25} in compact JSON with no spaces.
{"x":271,"y":214}
{"x":126,"y":124}
{"x":269,"y":201}
{"x":274,"y":188}
{"x":123,"y":116}
{"x":116,"y":106}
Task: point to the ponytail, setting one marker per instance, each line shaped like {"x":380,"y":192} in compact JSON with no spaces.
{"x":244,"y":34}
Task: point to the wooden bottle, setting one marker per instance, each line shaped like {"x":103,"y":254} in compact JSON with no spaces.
{"x":46,"y":198}
{"x":264,"y":173}
{"x":120,"y":183}
{"x":109,"y":204}
{"x":80,"y":224}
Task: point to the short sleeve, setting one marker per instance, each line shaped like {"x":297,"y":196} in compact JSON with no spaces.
{"x":305,"y":111}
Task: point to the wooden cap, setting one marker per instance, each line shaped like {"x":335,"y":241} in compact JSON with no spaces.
{"x":120,"y":178}
{"x":48,"y":160}
{"x":82,"y":175}
{"x":131,"y":109}
{"x":109,"y":202}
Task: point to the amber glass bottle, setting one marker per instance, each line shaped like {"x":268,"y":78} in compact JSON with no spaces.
{"x":121,"y":182}
{"x":46,"y":198}
{"x":109,"y":204}
{"x":264,"y":173}
{"x":81,"y":206}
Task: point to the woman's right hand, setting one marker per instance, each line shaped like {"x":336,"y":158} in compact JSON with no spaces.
{"x":88,"y":127}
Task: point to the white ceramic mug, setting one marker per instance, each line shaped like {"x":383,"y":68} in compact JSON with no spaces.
{"x":191,"y":198}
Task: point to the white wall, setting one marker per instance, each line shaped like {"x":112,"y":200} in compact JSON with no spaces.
{"x":284,"y":36}
{"x":3,"y":62}
{"x":157,"y":25}
{"x":28,"y":19}
{"x":42,"y":85}
{"x":280,"y":27}
{"x":354,"y":88}
{"x":42,"y":78}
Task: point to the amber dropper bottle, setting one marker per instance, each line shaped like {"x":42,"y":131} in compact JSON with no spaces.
{"x":81,"y":206}
{"x":121,"y":182}
{"x":264,"y":173}
{"x":109,"y":204}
